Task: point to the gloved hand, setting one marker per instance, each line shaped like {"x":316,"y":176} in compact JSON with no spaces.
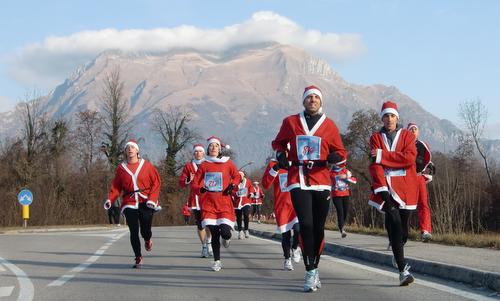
{"x":203,"y":190}
{"x":107,"y":205}
{"x":282,"y":160}
{"x":229,"y":189}
{"x":334,"y":158}
{"x":151,"y":205}
{"x":431,"y":168}
{"x":276,"y":167}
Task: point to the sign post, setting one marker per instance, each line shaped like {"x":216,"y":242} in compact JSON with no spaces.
{"x":25,"y":198}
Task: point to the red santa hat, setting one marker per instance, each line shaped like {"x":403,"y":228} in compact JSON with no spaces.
{"x":256,"y":182}
{"x":389,"y":107}
{"x":411,"y":125}
{"x":214,"y":139}
{"x":133,"y":143}
{"x":312,"y":90}
{"x":198,"y":147}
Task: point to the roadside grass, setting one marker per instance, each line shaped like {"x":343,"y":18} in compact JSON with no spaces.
{"x":489,"y":240}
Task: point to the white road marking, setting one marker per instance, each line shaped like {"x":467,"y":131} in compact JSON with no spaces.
{"x":6,"y":291}
{"x":26,"y":289}
{"x":441,"y":287}
{"x":81,"y":267}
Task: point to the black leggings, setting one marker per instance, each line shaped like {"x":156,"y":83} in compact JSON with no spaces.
{"x":143,"y":218}
{"x":396,"y":224}
{"x":342,"y":205}
{"x":311,"y":207}
{"x":223,"y":231}
{"x":242,"y":212}
{"x":286,"y":240}
{"x":256,"y":210}
{"x":197,"y":218}
{"x":114,"y":215}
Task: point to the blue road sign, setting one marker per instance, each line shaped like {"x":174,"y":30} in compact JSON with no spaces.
{"x":25,"y":197}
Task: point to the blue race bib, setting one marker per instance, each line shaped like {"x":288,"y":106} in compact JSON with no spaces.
{"x":242,"y":192}
{"x":213,"y":181}
{"x":283,"y":182}
{"x":308,"y":147}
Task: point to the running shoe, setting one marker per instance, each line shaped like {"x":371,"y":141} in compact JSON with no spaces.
{"x":247,"y":234}
{"x":405,"y":277}
{"x":343,"y":233}
{"x":296,"y":255}
{"x":209,"y":249}
{"x":226,"y":243}
{"x":138,"y":262}
{"x":204,"y":251}
{"x":240,"y":235}
{"x":316,"y":278}
{"x":426,"y":236}
{"x":287,"y":265}
{"x":217,"y":266}
{"x":149,"y":245}
{"x":310,"y":281}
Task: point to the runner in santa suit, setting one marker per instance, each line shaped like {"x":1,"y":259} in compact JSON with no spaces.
{"x":186,"y":213}
{"x":216,"y":180}
{"x":138,"y":182}
{"x":341,"y":177}
{"x":286,"y":219}
{"x":241,"y":202}
{"x":394,"y":182}
{"x":256,"y":195}
{"x":185,"y":181}
{"x":314,"y":141}
{"x":425,"y":171}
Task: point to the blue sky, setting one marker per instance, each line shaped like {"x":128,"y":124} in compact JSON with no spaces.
{"x":440,"y":53}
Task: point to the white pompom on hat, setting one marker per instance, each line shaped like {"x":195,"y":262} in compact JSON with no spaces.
{"x":133,"y":143}
{"x":389,"y":107}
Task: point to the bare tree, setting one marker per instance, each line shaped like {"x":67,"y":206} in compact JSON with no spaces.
{"x":474,"y":114}
{"x":172,"y":125}
{"x":115,"y":109}
{"x":88,"y":131}
{"x":33,"y":130}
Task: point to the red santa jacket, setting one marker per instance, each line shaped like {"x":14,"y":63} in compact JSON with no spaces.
{"x":185,"y":180}
{"x":215,"y":175}
{"x":256,"y":195}
{"x":137,"y":183}
{"x":341,"y":177}
{"x":423,"y":161}
{"x":283,"y":207}
{"x":185,"y":210}
{"x":309,"y":147}
{"x":241,"y":197}
{"x":394,"y":169}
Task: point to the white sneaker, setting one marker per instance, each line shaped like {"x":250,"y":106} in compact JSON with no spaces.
{"x":226,"y":243}
{"x":405,"y":277}
{"x":296,"y":255}
{"x":210,"y":252}
{"x":247,"y":234}
{"x":217,"y":266}
{"x":287,"y":265}
{"x":343,"y":233}
{"x":426,"y":236}
{"x":240,"y":235}
{"x":316,"y":279}
{"x":310,"y":281}
{"x":204,"y":251}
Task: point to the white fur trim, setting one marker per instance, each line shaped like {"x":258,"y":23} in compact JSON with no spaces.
{"x":273,"y":173}
{"x":217,"y":222}
{"x":389,"y":110}
{"x":213,"y":140}
{"x":217,"y":160}
{"x":383,"y":188}
{"x":199,"y":148}
{"x":312,"y":91}
{"x":287,"y":227}
{"x":378,"y":158}
{"x":132,"y":144}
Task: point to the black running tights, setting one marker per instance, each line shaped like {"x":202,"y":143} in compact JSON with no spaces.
{"x":139,"y":218}
{"x":286,"y":240}
{"x":245,"y":211}
{"x":217,"y":232}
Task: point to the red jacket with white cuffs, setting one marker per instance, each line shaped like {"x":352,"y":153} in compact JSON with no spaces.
{"x":309,"y":147}
{"x":136,"y":183}
{"x":215,"y":175}
{"x":283,"y":207}
{"x":394,"y":169}
{"x":185,"y":180}
{"x":341,"y":178}
{"x":256,"y":195}
{"x":241,"y":197}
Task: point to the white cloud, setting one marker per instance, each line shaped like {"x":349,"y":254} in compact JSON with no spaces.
{"x":49,"y":62}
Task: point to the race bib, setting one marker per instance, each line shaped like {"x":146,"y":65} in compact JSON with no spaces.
{"x":395,"y":172}
{"x":283,"y":182}
{"x":242,"y":192}
{"x":308,"y":147}
{"x":341,"y":185}
{"x":213,"y":181}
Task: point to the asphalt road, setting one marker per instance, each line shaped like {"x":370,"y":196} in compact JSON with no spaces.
{"x":96,"y":265}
